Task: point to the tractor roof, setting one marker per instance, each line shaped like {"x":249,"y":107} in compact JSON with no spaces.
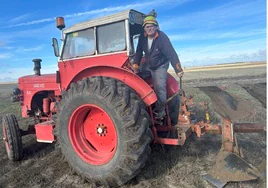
{"x":133,"y":15}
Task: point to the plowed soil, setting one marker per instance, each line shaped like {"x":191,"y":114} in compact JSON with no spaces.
{"x":168,"y":166}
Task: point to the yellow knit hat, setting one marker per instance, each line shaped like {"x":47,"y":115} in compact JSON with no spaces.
{"x":149,"y":20}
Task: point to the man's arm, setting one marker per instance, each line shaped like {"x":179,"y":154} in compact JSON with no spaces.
{"x":170,"y":53}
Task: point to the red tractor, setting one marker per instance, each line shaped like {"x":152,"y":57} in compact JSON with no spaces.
{"x":101,"y":112}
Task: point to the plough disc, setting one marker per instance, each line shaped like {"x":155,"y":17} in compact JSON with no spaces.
{"x":228,"y":105}
{"x":230,"y":167}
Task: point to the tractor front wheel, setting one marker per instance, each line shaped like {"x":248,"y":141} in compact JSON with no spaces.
{"x":12,"y":137}
{"x":104,"y":131}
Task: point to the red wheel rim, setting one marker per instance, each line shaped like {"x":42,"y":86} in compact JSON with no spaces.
{"x":92,"y":134}
{"x":5,"y":138}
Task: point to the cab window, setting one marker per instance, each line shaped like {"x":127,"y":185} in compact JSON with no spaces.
{"x":79,"y":43}
{"x":111,"y":37}
{"x":135,"y":31}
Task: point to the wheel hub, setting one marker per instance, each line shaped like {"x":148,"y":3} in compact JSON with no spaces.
{"x":101,"y":130}
{"x":89,"y":135}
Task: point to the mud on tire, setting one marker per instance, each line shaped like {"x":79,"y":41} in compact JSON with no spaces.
{"x":12,"y":137}
{"x":118,"y":161}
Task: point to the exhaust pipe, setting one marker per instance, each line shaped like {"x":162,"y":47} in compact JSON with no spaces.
{"x":37,"y":66}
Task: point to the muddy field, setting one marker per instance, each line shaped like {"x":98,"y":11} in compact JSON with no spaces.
{"x":168,"y":166}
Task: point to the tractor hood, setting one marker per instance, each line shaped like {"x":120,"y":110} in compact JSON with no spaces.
{"x":32,"y":87}
{"x":45,"y":78}
{"x":33,"y":83}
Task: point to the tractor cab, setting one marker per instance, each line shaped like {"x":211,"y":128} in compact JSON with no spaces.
{"x":104,"y":36}
{"x":104,"y":42}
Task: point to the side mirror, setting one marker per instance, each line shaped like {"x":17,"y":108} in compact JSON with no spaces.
{"x":55,"y":47}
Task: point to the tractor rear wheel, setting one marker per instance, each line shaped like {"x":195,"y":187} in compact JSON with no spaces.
{"x":104,"y":131}
{"x":12,"y":137}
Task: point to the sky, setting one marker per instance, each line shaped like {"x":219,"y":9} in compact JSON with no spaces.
{"x":203,"y":32}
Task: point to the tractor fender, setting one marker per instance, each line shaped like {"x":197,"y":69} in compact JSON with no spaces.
{"x":144,"y":90}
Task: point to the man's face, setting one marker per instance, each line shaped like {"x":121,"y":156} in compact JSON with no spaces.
{"x":150,"y":29}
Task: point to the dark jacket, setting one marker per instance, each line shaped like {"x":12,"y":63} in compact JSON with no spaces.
{"x":161,"y":52}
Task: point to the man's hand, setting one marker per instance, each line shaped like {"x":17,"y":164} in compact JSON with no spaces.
{"x":135,"y":67}
{"x":179,"y":69}
{"x":180,"y":74}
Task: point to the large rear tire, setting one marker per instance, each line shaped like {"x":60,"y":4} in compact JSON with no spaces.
{"x":104,"y":131}
{"x":12,"y":137}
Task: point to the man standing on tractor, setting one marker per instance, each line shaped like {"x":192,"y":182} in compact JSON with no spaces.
{"x":158,"y":53}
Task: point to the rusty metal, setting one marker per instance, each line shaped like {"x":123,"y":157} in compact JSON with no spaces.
{"x":184,"y":114}
{"x":228,"y":105}
{"x":183,"y":132}
{"x":237,"y":128}
{"x":227,"y":135}
{"x":231,"y":167}
{"x":182,"y":135}
{"x":197,"y":130}
{"x":248,"y":127}
{"x":167,"y":141}
{"x":212,"y":129}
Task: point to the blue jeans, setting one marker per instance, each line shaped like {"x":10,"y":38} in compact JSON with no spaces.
{"x":159,"y":78}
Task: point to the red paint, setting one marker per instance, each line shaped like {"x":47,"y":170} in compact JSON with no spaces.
{"x":33,"y":84}
{"x":107,"y":66}
{"x":172,"y":85}
{"x":46,"y":105}
{"x":145,"y":92}
{"x":6,"y":141}
{"x":69,"y":69}
{"x":53,"y":108}
{"x":167,"y":141}
{"x":92,"y":134}
{"x":44,"y":132}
